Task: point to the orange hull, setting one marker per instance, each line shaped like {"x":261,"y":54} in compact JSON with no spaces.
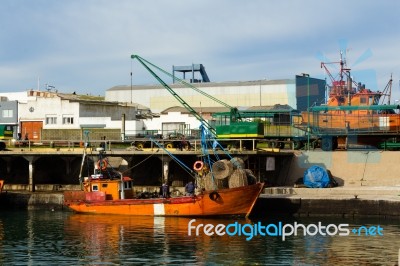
{"x":233,"y":201}
{"x":373,"y":123}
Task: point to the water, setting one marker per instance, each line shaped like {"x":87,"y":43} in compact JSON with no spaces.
{"x":63,"y":238}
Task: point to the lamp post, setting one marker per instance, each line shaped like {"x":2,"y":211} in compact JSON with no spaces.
{"x":308,"y":110}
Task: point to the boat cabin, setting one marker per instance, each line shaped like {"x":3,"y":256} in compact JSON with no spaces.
{"x":112,"y":189}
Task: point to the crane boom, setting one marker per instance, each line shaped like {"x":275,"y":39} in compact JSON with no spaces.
{"x":170,"y":90}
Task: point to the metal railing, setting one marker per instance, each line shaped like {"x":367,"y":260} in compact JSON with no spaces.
{"x":108,"y":145}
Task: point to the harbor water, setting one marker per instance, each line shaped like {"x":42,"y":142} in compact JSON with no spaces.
{"x":65,"y":238}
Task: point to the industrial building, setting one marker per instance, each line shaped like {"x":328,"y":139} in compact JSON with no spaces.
{"x":298,"y":93}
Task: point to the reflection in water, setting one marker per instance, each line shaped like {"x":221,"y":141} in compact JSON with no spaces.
{"x":37,"y":238}
{"x":142,"y":239}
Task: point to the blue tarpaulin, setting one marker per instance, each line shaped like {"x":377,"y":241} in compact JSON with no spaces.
{"x":316,"y":177}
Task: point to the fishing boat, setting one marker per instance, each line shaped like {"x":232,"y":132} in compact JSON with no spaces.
{"x":115,"y":194}
{"x":225,"y":202}
{"x":1,"y":185}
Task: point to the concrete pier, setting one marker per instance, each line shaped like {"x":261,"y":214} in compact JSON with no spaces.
{"x":340,"y":201}
{"x":369,"y":185}
{"x":369,"y":181}
{"x":31,"y":170}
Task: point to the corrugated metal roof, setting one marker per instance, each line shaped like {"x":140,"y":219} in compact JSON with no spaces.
{"x":276,"y":107}
{"x":80,"y":97}
{"x":204,"y":85}
{"x":272,"y":108}
{"x":199,"y":110}
{"x":96,"y":100}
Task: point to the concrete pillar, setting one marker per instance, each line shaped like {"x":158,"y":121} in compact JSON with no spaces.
{"x":31,"y":160}
{"x":165,"y":163}
{"x":8,"y":164}
{"x":165,"y":171}
{"x":31,"y":183}
{"x":123,"y":127}
{"x":125,"y":165}
{"x":67,"y":164}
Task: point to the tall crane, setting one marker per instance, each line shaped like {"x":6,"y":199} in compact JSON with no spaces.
{"x":234,"y":113}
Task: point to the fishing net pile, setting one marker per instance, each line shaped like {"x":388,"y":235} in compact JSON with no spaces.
{"x":228,"y":174}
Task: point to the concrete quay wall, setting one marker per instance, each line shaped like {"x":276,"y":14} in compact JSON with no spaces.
{"x":266,"y":205}
{"x":32,"y":201}
{"x":346,"y":207}
{"x":350,"y":168}
{"x":369,"y":185}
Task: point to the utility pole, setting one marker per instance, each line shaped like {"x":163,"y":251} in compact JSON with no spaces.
{"x":308,"y":110}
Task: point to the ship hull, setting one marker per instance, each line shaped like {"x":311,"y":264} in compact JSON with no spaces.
{"x":234,"y":201}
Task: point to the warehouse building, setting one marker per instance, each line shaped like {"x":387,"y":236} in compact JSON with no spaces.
{"x":241,"y":94}
{"x":298,"y":93}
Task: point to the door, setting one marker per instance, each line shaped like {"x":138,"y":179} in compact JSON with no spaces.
{"x":32,"y":130}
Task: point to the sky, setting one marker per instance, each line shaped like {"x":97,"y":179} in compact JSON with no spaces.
{"x":85,"y":46}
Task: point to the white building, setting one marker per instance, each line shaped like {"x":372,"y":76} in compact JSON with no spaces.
{"x":178,"y":119}
{"x":68,"y":113}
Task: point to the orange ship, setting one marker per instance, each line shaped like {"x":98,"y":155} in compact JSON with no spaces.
{"x":353,"y":114}
{"x":231,"y":201}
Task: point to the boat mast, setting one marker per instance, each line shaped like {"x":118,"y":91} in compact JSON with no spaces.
{"x":85,"y":145}
{"x":388,"y":90}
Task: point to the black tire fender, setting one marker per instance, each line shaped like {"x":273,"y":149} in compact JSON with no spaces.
{"x":214,"y":196}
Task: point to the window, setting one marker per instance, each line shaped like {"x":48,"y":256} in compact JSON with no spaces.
{"x":128,"y":185}
{"x":95,"y":188}
{"x":8,"y":113}
{"x":51,"y":120}
{"x":68,"y":120}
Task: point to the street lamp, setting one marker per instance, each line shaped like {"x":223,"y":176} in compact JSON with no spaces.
{"x":308,"y":110}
